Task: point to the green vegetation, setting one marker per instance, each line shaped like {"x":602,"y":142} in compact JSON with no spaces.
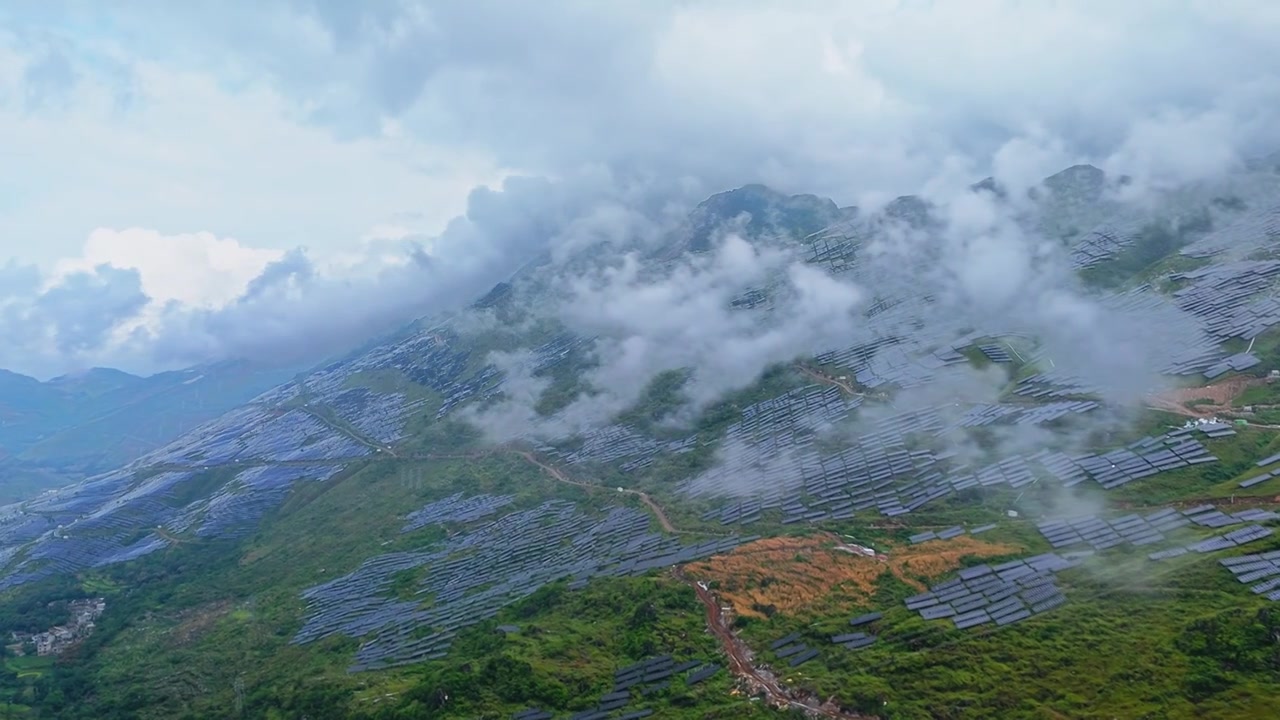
{"x":1268,"y":394}
{"x":1266,"y":347}
{"x":1236,"y":456}
{"x":567,"y":382}
{"x":661,"y":398}
{"x":565,"y":655}
{"x":1139,"y":262}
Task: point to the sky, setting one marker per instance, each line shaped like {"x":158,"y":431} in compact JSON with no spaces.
{"x":185,"y":182}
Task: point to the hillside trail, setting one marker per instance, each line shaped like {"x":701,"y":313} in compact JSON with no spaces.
{"x":829,"y":380}
{"x":558,"y":475}
{"x":759,"y":680}
{"x":1241,"y":499}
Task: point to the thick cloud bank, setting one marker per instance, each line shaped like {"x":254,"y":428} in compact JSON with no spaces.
{"x":608,"y":121}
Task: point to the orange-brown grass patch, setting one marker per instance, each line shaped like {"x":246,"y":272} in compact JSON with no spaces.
{"x":914,"y":563}
{"x":796,"y":574}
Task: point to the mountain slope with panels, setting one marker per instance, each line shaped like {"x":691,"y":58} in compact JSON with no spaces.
{"x":962,"y":507}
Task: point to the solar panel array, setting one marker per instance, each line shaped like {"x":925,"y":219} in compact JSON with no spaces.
{"x":770,"y":459}
{"x":1233,"y":300}
{"x":858,"y":639}
{"x":646,"y":677}
{"x":1257,"y":228}
{"x":1235,"y":538}
{"x":1141,"y":459}
{"x":1260,"y":571}
{"x":1257,"y":479}
{"x":380,"y":416}
{"x":113,"y":518}
{"x":115,"y":525}
{"x":455,"y":509}
{"x":234,"y":509}
{"x":1099,"y":245}
{"x":794,"y":651}
{"x":1137,"y":530}
{"x":614,"y":443}
{"x":784,"y":472}
{"x":428,"y":358}
{"x":835,"y":249}
{"x":1021,"y":414}
{"x":1001,"y":594}
{"x":773,"y":440}
{"x":256,"y":434}
{"x":910,"y":342}
{"x":996,"y":353}
{"x":1175,"y":339}
{"x":1054,"y":384}
{"x":879,"y":471}
{"x":649,"y":676}
{"x":1101,"y":534}
{"x":474,"y":574}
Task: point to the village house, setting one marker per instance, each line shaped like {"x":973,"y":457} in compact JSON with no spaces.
{"x":84,"y":614}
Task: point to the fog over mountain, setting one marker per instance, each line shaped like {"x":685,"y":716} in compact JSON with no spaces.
{"x":288,"y":179}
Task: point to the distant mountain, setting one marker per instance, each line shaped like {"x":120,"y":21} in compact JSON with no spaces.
{"x":95,"y":381}
{"x":63,"y":429}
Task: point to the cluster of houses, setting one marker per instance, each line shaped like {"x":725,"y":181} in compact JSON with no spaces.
{"x":58,"y":638}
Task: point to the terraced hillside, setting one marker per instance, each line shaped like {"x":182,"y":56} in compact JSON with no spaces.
{"x":938,"y":512}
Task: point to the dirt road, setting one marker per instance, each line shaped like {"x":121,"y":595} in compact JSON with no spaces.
{"x":759,"y":680}
{"x":559,"y":476}
{"x":828,"y":379}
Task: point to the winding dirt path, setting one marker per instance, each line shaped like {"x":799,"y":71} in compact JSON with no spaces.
{"x":829,"y":380}
{"x":558,"y":475}
{"x":758,"y":680}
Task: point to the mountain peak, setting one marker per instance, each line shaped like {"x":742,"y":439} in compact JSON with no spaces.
{"x":762,"y":211}
{"x":94,"y":381}
{"x":1083,"y":180}
{"x":92,"y":374}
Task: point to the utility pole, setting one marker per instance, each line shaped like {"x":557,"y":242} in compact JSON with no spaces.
{"x":239,"y":688}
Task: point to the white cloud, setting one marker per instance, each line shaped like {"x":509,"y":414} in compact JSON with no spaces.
{"x":358,"y":131}
{"x":189,"y":155}
{"x":197,"y":269}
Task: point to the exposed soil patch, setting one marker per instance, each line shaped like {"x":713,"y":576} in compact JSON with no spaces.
{"x":794,"y":575}
{"x":1203,"y":401}
{"x":196,"y":621}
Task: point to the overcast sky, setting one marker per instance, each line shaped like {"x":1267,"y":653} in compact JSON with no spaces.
{"x":185,"y":181}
